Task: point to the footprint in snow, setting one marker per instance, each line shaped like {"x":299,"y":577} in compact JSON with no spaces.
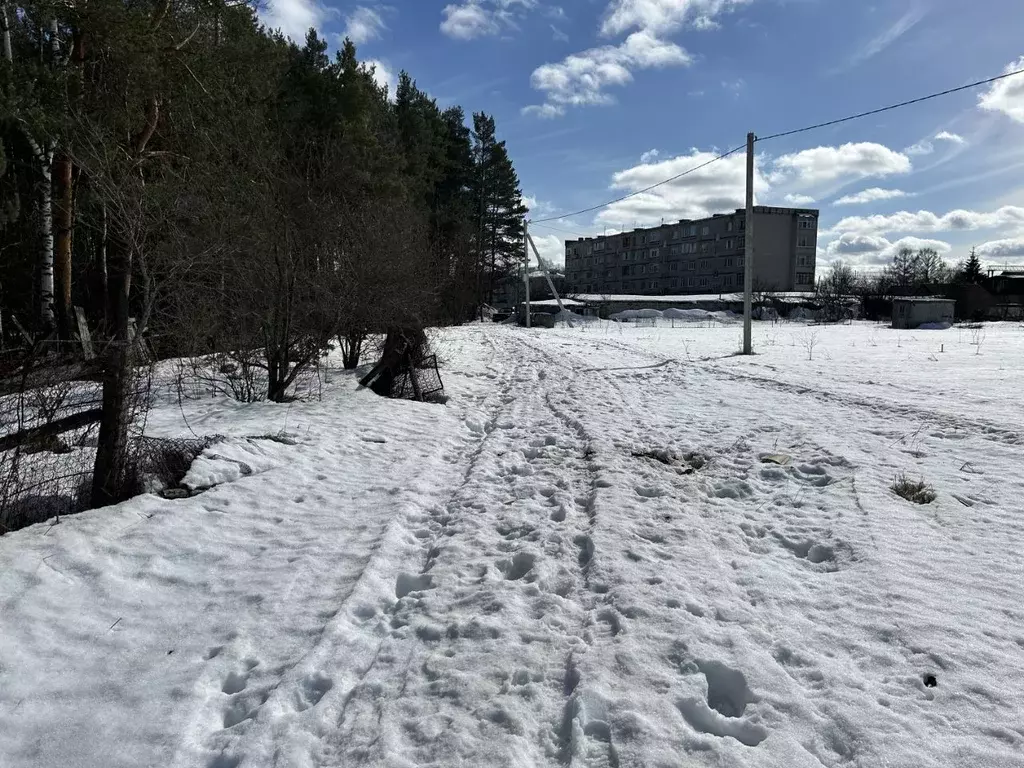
{"x":311,"y":689}
{"x":518,"y":566}
{"x":727,"y":698}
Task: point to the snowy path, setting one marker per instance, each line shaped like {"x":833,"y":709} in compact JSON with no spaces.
{"x":582,"y":560}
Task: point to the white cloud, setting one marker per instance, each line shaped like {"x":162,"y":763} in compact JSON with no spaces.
{"x":853,"y":161}
{"x":799,"y":200}
{"x":873,"y":250}
{"x":649,"y":155}
{"x":464,"y":22}
{"x":470,"y":19}
{"x":1006,"y":96}
{"x":926,"y":147}
{"x":558,"y":34}
{"x":888,"y":36}
{"x":545,"y":111}
{"x":871,"y":195}
{"x":383,"y":75}
{"x":926,"y":221}
{"x":537,"y":207}
{"x":717,"y":188}
{"x":1002,"y":250}
{"x":550,"y":247}
{"x":664,"y":16}
{"x":363,"y":25}
{"x":293,"y":17}
{"x":582,"y":78}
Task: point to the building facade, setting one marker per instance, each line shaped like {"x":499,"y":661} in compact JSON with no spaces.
{"x":698,"y":256}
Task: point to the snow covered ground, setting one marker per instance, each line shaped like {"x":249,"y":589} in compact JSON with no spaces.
{"x":582,"y":559}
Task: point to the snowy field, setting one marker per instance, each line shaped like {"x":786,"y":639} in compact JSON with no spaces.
{"x":583,"y":559}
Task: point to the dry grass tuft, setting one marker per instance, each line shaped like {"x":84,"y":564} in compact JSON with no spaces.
{"x":918,"y":491}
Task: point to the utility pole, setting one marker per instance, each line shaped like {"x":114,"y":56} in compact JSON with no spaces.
{"x":526,"y":266}
{"x":547,"y":276}
{"x":748,"y":249}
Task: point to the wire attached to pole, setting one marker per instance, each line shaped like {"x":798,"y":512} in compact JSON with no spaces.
{"x":645,"y":189}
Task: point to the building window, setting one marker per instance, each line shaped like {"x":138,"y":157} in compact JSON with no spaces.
{"x":599,"y":246}
{"x":703,"y":282}
{"x":691,"y":266}
{"x":703,"y":263}
{"x":643,"y":269}
{"x":705,"y":230}
{"x":703,"y":247}
{"x":728,"y":262}
{"x":693,"y":230}
{"x":803,"y":278}
{"x":801,"y":261}
{"x":728,"y":281}
{"x":728,"y":225}
{"x":673,"y":267}
{"x":674,"y":250}
{"x":655,"y":237}
{"x":625,"y":271}
{"x":806,"y":222}
{"x":803,"y":242}
{"x":742,"y":243}
{"x":743,"y":224}
{"x":625,"y":242}
{"x":729,"y":244}
{"x":674,"y":284}
{"x":654,"y":268}
{"x":654,"y":253}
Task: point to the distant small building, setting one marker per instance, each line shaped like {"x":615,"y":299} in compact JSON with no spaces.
{"x":915,"y":311}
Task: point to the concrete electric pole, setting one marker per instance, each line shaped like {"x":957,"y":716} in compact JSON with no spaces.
{"x":526,"y":266}
{"x":748,"y":250}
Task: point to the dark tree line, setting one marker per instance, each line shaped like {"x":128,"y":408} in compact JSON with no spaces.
{"x":170,"y":170}
{"x":173,"y":162}
{"x":911,"y":272}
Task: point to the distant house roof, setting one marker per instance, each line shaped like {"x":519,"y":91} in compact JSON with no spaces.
{"x":795,"y":297}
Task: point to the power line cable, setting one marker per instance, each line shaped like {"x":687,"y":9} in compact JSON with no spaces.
{"x":805,"y":129}
{"x":555,"y":229}
{"x":893,"y":106}
{"x":645,"y":189}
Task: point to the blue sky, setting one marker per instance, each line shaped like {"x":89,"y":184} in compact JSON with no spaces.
{"x":597,"y":98}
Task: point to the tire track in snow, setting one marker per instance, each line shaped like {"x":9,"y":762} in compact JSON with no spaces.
{"x":584,"y":733}
{"x":362,"y":734}
{"x":483,"y":669}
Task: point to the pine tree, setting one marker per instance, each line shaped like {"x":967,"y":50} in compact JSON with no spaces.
{"x":970,"y":269}
{"x":500,"y":207}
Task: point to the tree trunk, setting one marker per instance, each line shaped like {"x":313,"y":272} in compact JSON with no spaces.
{"x":110,"y":472}
{"x":5,"y":33}
{"x":351,"y":348}
{"x":63,"y":223}
{"x":100,"y":302}
{"x":44,"y":158}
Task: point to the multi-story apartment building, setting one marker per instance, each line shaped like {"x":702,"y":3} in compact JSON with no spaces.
{"x":698,"y":256}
